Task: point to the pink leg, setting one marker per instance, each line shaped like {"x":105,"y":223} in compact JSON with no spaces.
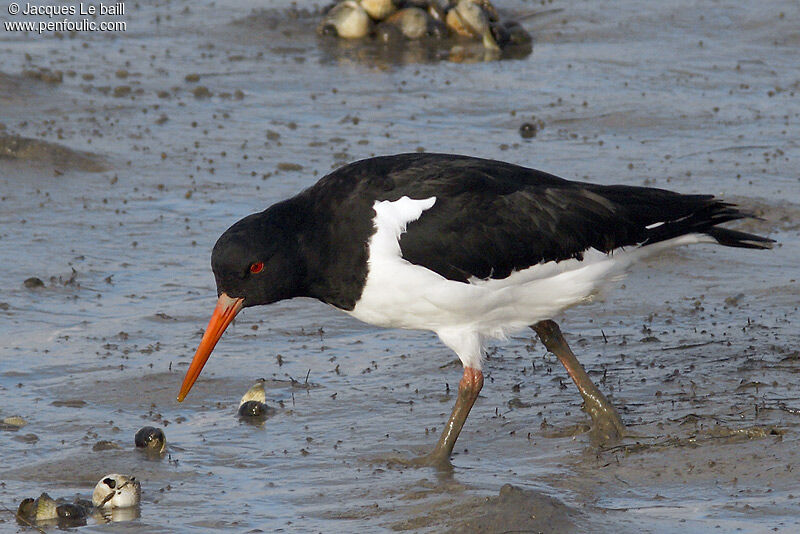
{"x":607,"y":425}
{"x":468,"y":389}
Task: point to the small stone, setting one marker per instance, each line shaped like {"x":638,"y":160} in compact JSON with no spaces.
{"x":105,"y":445}
{"x":69,"y":403}
{"x":734,"y":300}
{"x":33,"y":283}
{"x":289,"y":166}
{"x":27,"y":438}
{"x":122,"y":91}
{"x":201,"y":91}
{"x":528,"y":130}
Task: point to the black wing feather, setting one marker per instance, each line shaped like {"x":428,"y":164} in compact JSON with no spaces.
{"x":493,"y":218}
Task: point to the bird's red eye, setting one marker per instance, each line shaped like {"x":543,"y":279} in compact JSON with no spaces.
{"x":257,"y":267}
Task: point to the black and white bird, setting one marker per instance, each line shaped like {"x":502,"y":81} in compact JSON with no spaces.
{"x":472,"y":249}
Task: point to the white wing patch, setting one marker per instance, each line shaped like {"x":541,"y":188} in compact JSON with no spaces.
{"x":391,"y":220}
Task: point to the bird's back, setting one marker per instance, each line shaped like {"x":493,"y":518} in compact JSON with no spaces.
{"x":492,"y":218}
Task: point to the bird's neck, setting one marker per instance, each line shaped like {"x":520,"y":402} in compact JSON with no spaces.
{"x":332,"y":244}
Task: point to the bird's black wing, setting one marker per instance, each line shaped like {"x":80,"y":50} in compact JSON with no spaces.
{"x":491,"y":218}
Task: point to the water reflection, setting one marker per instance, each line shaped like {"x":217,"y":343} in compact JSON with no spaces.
{"x":115,"y":515}
{"x":385,"y":55}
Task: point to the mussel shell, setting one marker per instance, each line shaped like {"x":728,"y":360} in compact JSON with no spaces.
{"x":71,"y":511}
{"x":151,"y":439}
{"x":253,"y":409}
{"x":26,"y":508}
{"x":511,"y":33}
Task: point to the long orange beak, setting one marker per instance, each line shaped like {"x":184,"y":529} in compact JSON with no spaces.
{"x":226,"y":310}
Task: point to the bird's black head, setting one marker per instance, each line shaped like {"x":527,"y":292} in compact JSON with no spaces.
{"x":257,"y":259}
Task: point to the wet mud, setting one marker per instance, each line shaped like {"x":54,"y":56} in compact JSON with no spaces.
{"x":125,"y":156}
{"x":38,"y":152}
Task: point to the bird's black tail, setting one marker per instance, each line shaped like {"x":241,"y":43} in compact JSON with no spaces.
{"x":734,"y":238}
{"x":704,"y":218}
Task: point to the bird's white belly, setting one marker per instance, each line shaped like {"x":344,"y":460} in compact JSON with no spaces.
{"x":399,"y":294}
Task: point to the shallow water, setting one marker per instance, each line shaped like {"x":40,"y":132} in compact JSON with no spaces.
{"x":697,"y":348}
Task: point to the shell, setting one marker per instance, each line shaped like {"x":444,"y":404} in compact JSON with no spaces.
{"x":253,"y":409}
{"x":117,"y":491}
{"x":256,"y":393}
{"x":26,"y":508}
{"x":45,"y":508}
{"x":511,"y":33}
{"x":412,"y":21}
{"x":71,"y":511}
{"x":489,"y":9}
{"x":151,"y":439}
{"x":15,"y":420}
{"x":469,"y":19}
{"x":348,"y":20}
{"x":378,"y":9}
{"x":456,"y":24}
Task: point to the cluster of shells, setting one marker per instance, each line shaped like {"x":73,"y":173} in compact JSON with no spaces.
{"x":395,"y":21}
{"x":115,"y":498}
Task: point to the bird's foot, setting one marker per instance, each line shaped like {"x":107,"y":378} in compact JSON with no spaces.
{"x":439,"y":462}
{"x":607,"y":426}
{"x":468,"y":389}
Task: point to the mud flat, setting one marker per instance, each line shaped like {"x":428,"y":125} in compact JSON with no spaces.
{"x":699,"y":349}
{"x":38,"y":152}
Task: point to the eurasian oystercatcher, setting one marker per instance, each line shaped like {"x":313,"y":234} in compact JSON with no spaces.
{"x":469,"y":248}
